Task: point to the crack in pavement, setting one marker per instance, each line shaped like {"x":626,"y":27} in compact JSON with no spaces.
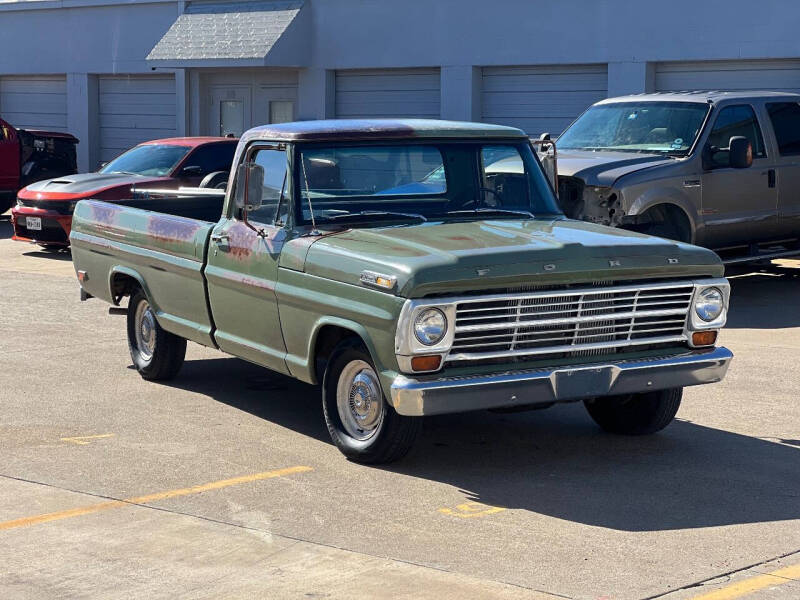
{"x":708,"y":580}
{"x":280,"y":535}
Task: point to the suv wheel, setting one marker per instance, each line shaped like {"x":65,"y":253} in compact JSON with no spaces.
{"x":635,"y":414}
{"x":362,"y":424}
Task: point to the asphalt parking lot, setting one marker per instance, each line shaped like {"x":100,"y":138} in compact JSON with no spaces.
{"x":223,"y":483}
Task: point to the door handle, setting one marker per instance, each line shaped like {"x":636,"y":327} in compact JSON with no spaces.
{"x":771,"y":178}
{"x":220,"y":238}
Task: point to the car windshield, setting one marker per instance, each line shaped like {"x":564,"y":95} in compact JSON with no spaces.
{"x":653,"y":127}
{"x":421,"y":181}
{"x":156,"y":160}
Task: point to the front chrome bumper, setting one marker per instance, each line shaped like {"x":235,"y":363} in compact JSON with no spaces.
{"x":415,"y":397}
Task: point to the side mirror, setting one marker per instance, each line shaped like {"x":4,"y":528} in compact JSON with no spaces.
{"x":249,"y":186}
{"x":740,"y":152}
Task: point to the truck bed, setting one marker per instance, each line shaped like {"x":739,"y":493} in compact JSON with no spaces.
{"x":114,"y":244}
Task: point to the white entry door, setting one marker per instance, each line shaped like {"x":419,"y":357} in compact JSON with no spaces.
{"x":230,"y":112}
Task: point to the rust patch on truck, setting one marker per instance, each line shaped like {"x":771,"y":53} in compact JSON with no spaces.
{"x":104,"y":213}
{"x":172,"y":230}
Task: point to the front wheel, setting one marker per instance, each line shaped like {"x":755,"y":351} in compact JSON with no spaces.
{"x":157,"y":354}
{"x":362,"y":424}
{"x":636,"y":414}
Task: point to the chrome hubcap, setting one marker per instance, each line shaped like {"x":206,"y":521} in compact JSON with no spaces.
{"x":145,"y":330}
{"x":359,"y":400}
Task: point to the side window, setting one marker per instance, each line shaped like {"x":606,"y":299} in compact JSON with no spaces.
{"x":212,"y":158}
{"x":734,"y":121}
{"x":274,"y":185}
{"x":785,"y":117}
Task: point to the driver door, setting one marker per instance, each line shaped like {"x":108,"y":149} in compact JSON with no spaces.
{"x":739,"y":205}
{"x":242,"y":268}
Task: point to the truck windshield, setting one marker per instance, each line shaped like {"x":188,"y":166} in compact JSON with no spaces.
{"x":421,"y":181}
{"x":652,"y":127}
{"x":156,"y":160}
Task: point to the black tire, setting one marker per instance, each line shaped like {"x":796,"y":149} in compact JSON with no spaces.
{"x":664,"y":230}
{"x":165,"y":358}
{"x":636,"y":414}
{"x":394,"y":434}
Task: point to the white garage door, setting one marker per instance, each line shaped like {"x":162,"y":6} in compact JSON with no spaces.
{"x":775,"y":75}
{"x":375,"y":93}
{"x":541,"y":98}
{"x":134,"y":109}
{"x":38,"y":102}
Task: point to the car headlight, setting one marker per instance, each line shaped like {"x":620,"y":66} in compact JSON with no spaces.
{"x":709,"y":304}
{"x":430,"y":326}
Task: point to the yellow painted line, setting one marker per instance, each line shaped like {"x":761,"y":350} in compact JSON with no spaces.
{"x":139,"y":500}
{"x":753,"y":584}
{"x":85,"y":439}
{"x":470,"y":510}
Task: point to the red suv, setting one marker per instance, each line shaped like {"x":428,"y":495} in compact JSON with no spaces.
{"x":43,"y":213}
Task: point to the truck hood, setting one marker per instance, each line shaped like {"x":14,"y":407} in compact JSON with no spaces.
{"x":604,"y":168}
{"x":437,"y":258}
{"x":85,"y":185}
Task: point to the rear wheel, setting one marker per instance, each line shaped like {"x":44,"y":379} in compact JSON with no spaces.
{"x":156,"y":354}
{"x":362,"y":424}
{"x":636,"y":414}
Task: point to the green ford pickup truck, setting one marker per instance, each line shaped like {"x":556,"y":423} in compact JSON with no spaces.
{"x":410,"y":268}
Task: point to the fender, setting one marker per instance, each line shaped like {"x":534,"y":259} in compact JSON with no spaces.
{"x":123,"y":270}
{"x":308,"y":371}
{"x":658,"y":196}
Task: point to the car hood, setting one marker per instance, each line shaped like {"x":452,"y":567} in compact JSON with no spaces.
{"x":604,"y":168}
{"x":85,"y":185}
{"x":452,"y":257}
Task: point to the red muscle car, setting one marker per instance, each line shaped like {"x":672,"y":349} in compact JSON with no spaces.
{"x":43,"y":213}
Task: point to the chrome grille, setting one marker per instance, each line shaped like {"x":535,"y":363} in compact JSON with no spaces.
{"x":584,"y":321}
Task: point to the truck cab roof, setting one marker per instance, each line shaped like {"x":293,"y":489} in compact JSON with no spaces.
{"x":378,"y":129}
{"x":704,"y":96}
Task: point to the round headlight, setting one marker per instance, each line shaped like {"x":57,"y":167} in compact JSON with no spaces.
{"x":709,"y":304}
{"x":430,"y":326}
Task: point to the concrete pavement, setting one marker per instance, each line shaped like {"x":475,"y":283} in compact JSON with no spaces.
{"x":539,"y":504}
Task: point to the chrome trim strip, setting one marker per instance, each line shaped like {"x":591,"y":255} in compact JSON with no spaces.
{"x":415,"y":397}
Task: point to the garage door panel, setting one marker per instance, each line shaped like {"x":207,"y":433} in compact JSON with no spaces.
{"x":137,"y":85}
{"x":388,"y":93}
{"x":152,"y":121}
{"x":540,"y":98}
{"x":34,"y":102}
{"x":134,"y":109}
{"x":554,"y":126}
{"x":775,"y":75}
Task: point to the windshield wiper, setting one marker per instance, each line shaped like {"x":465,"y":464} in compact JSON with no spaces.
{"x":375,"y":213}
{"x":497,"y":211}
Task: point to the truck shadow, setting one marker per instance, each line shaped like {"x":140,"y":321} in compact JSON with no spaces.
{"x":555,"y":462}
{"x":765,"y":299}
{"x":558,"y":463}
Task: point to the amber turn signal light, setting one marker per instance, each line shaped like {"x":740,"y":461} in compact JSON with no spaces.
{"x":704,"y":338}
{"x":426,"y":363}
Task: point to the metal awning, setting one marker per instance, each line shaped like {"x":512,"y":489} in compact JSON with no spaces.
{"x":219,"y":34}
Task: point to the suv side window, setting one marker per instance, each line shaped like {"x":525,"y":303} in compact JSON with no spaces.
{"x":212,"y":158}
{"x":274,"y":185}
{"x":785,"y":117}
{"x":734,"y":121}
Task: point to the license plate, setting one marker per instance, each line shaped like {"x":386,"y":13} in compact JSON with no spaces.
{"x":582,"y":383}
{"x":34,"y":223}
